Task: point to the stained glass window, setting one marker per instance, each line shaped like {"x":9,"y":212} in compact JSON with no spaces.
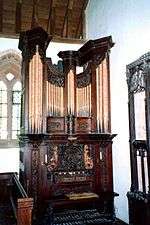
{"x":16,"y":106}
{"x":3,"y":110}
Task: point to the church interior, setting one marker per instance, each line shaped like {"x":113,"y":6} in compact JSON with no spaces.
{"x":74,"y":125}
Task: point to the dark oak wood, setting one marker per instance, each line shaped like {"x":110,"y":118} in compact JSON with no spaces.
{"x":50,"y":14}
{"x":138,"y":196}
{"x":66,"y":142}
{"x":1,"y":15}
{"x":64,"y":15}
{"x":18,"y":17}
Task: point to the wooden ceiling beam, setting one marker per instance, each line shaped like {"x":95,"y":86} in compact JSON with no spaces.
{"x":85,"y":2}
{"x":56,"y":39}
{"x":60,"y":21}
{"x":35,"y":22}
{"x":18,"y":16}
{"x":53,"y":22}
{"x":1,"y":15}
{"x":50,"y":14}
{"x":64,"y":32}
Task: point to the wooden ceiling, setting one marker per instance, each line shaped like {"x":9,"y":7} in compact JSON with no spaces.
{"x":63,"y":19}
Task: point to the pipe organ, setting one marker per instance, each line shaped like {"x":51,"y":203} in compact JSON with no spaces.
{"x":66,"y":140}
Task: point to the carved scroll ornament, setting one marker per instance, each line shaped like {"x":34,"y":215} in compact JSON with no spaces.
{"x":57,"y":77}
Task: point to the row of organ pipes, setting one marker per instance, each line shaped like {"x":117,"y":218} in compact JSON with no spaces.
{"x":68,"y":98}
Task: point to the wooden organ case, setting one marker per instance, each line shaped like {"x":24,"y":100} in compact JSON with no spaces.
{"x":138,"y":79}
{"x":66,"y":140}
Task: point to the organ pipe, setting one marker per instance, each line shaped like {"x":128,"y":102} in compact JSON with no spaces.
{"x":103,"y":97}
{"x":71,"y":93}
{"x":54,"y":100}
{"x":35,"y":93}
{"x":84,"y":101}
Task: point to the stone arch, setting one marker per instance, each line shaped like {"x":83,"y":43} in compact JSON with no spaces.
{"x":10,"y":62}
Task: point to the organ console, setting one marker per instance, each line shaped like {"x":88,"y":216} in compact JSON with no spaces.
{"x":66,"y":140}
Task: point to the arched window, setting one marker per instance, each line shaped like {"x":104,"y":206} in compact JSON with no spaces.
{"x":10,"y":98}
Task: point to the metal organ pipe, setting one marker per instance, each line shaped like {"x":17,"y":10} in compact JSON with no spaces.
{"x":35,"y":93}
{"x":102,"y":92}
{"x":55,"y":103}
{"x":84,"y":101}
{"x":105,"y":96}
{"x":71,"y":93}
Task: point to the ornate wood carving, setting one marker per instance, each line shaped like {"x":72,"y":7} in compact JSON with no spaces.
{"x":34,"y":148}
{"x":55,"y":124}
{"x":29,"y":39}
{"x":55,"y":76}
{"x":84,"y":79}
{"x":138,"y":196}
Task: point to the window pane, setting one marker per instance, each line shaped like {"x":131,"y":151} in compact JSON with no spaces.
{"x":15,"y":133}
{"x":16,"y":111}
{"x":3,"y":134}
{"x":3,"y":110}
{"x":15,"y":123}
{"x":3,"y":128}
{"x":16,"y":97}
{"x":17,"y":86}
{"x":3,"y":92}
{"x":3,"y":86}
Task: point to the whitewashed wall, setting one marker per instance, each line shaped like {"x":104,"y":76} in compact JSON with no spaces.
{"x":9,"y":160}
{"x":128,"y":21}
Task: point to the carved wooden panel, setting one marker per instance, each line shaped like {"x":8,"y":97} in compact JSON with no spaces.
{"x":83,"y":125}
{"x":55,"y":124}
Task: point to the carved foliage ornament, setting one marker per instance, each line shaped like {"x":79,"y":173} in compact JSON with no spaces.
{"x":35,"y":167}
{"x":135,"y":79}
{"x":57,"y":77}
{"x":136,"y":73}
{"x":70,"y":157}
{"x":84,"y":79}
